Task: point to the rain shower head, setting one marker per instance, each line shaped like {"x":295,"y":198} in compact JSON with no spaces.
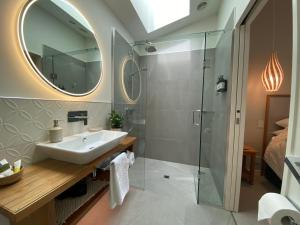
{"x":149,"y":46}
{"x":150,"y":49}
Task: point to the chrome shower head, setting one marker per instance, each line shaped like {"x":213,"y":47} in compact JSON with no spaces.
{"x":150,"y":48}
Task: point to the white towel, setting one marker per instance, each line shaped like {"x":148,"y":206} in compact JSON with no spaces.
{"x":130,"y":156}
{"x":119,"y":180}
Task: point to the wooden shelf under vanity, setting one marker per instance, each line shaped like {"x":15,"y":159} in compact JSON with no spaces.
{"x":31,"y":200}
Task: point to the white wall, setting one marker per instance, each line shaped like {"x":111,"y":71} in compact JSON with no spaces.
{"x":261,"y":48}
{"x":238,"y":6}
{"x":207,"y":24}
{"x":188,"y":38}
{"x":218,"y":22}
{"x":18,"y":79}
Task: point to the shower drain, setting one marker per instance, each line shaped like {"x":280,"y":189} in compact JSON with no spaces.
{"x":166,"y":176}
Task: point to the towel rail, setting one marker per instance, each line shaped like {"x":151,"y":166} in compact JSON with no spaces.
{"x":106,"y":164}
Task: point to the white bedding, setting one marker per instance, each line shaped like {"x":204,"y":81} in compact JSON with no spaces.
{"x":275,"y":153}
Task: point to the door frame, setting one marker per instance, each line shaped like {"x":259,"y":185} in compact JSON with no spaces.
{"x":290,"y":186}
{"x":238,"y":106}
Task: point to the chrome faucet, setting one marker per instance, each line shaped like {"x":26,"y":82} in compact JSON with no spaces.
{"x":75,"y":116}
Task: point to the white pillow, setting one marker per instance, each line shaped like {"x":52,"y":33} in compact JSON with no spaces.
{"x":283,"y":123}
{"x":277,"y":132}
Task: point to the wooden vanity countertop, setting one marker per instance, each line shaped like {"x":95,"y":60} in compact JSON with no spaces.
{"x":44,"y":181}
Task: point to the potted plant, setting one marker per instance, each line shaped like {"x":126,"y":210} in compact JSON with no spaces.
{"x":116,"y":120}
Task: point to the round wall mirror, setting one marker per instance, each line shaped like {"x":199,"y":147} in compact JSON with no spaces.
{"x":60,"y":45}
{"x":131,"y":80}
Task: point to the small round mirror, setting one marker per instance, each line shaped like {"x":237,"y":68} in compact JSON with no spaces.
{"x":131,"y":80}
{"x":60,"y":45}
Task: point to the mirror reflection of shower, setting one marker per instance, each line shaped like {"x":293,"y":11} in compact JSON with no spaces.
{"x":135,"y":70}
{"x":131,"y":79}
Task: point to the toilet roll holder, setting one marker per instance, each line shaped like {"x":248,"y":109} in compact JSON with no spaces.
{"x":288,"y":220}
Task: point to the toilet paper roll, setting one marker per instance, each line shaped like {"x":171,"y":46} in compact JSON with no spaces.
{"x":285,"y":217}
{"x":277,"y":210}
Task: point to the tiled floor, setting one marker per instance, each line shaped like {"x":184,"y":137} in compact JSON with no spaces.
{"x":162,"y":202}
{"x":149,"y":174}
{"x":250,"y":194}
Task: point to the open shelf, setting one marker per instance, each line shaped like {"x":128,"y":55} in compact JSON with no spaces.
{"x":34,"y":196}
{"x":70,"y":210}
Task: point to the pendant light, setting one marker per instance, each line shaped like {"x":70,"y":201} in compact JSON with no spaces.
{"x":273,"y":74}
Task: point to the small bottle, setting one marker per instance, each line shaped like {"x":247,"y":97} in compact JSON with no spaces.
{"x":221,"y":84}
{"x":55,"y":133}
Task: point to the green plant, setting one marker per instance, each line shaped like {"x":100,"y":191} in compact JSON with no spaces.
{"x":116,"y":119}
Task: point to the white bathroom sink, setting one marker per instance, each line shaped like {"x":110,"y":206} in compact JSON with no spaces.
{"x":83,"y":148}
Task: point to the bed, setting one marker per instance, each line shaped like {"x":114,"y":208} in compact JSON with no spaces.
{"x":275,"y":137}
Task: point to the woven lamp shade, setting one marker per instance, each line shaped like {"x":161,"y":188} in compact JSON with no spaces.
{"x":273,"y":74}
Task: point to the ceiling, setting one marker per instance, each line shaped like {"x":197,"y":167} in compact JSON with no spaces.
{"x":125,"y":12}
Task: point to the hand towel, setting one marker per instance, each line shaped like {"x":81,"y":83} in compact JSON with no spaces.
{"x":130,"y":156}
{"x":5,"y":169}
{"x":119,"y":180}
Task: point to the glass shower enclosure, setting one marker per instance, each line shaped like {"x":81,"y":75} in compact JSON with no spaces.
{"x":129,"y":100}
{"x":167,"y":92}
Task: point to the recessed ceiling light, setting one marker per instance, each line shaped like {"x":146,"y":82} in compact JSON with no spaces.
{"x":201,"y":5}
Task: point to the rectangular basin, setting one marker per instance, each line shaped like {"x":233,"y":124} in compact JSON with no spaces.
{"x":84,"y":147}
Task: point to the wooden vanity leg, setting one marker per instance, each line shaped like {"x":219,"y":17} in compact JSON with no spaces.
{"x":43,"y":216}
{"x":252,"y":169}
{"x":130,"y":148}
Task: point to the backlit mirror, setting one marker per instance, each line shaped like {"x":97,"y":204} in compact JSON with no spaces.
{"x":131,"y":79}
{"x":60,"y":45}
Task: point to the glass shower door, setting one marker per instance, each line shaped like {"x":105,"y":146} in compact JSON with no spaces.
{"x":178,"y":86}
{"x":214,"y":117}
{"x":129,"y":90}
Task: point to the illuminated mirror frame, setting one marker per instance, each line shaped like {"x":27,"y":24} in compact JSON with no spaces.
{"x":131,"y":101}
{"x":25,"y":52}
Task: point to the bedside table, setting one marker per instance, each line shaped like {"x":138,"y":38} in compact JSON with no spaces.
{"x":249,"y":154}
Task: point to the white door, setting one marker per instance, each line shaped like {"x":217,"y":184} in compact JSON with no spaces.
{"x":237,"y":128}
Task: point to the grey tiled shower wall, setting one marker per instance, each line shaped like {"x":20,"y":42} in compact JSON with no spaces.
{"x":174,"y":91}
{"x":24,"y":122}
{"x":171,"y":89}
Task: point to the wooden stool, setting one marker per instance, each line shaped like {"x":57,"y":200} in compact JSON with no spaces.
{"x":248,"y":173}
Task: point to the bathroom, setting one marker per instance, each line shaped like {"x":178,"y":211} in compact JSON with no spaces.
{"x":69,"y":68}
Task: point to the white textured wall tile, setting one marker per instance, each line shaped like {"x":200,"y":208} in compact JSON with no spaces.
{"x":24,"y":122}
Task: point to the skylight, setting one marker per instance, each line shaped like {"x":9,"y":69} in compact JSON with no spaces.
{"x":155,"y":14}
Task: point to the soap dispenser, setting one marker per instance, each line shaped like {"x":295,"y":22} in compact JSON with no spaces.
{"x":55,"y":133}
